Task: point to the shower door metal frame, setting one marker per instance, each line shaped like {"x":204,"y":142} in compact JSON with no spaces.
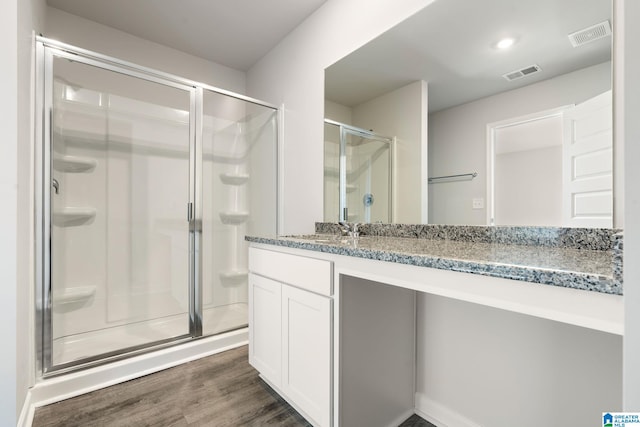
{"x":346,"y":130}
{"x":45,"y":50}
{"x":48,"y":53}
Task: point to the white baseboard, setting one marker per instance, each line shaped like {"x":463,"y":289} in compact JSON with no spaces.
{"x":26,"y":414}
{"x":55,"y":389}
{"x":440,"y":415}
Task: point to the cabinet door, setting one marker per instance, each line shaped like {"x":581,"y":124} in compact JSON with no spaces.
{"x":306,"y":357}
{"x":265,"y":327}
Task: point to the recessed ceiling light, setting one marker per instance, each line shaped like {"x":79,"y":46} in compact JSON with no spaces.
{"x":505,"y":43}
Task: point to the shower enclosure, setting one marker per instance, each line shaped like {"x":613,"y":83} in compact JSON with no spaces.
{"x":147,"y":184}
{"x":357,"y":174}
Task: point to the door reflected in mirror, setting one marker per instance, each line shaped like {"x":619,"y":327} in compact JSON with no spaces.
{"x":529,"y":156}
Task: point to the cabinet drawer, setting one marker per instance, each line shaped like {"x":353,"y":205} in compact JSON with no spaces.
{"x":311,"y":274}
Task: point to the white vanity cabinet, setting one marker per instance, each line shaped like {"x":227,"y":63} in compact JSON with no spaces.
{"x":352,"y":340}
{"x":265,"y":328}
{"x":290,"y":328}
{"x":306,"y":352}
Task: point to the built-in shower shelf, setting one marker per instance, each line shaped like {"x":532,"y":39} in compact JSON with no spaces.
{"x":234,"y":178}
{"x":351,"y":188}
{"x":73,"y":295}
{"x":72,"y":216}
{"x":233,"y":277}
{"x":234,"y":218}
{"x":73,"y":164}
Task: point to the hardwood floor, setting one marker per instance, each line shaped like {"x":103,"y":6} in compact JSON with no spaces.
{"x":416,"y":421}
{"x":222,"y":390}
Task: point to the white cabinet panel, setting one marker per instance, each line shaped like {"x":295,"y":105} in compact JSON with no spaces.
{"x":290,"y":329}
{"x":306,"y":335}
{"x":265,"y":327}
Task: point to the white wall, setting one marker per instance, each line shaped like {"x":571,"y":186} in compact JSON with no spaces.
{"x":337,"y":112}
{"x":484,"y":366}
{"x":526,"y":187}
{"x":31,"y":16}
{"x":457,"y":137}
{"x":293,"y":74}
{"x":402,"y":113}
{"x":90,"y":35}
{"x":527,"y":167}
{"x":627,"y":128}
{"x":8,"y":216}
{"x":18,"y":19}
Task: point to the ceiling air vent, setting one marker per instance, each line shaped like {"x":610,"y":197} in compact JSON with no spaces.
{"x":590,"y":34}
{"x":523,"y":72}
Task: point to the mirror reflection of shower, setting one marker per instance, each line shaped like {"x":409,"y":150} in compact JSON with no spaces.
{"x":357,"y":174}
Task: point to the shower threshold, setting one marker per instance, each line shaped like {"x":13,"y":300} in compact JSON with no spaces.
{"x":85,"y":345}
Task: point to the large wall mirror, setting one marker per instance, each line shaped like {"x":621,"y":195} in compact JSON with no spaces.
{"x":499,"y":110}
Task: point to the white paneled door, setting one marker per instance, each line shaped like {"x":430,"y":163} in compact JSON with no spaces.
{"x":588,"y":164}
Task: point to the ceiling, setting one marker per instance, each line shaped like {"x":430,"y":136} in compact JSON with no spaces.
{"x":235,"y":33}
{"x":450,"y":44}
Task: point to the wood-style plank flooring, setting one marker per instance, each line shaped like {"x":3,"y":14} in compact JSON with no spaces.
{"x":222,"y":390}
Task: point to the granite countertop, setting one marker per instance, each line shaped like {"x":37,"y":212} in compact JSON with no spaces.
{"x":584,"y":269}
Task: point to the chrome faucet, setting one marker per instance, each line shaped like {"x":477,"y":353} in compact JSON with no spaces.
{"x":56,"y":185}
{"x":350,"y":230}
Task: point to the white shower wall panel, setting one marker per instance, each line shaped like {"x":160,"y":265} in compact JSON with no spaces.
{"x":153,"y":219}
{"x":262,"y":160}
{"x":117,"y":236}
{"x":77,"y":258}
{"x":224,"y":154}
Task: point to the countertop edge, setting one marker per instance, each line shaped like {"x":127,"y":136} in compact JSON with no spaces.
{"x":561,"y":278}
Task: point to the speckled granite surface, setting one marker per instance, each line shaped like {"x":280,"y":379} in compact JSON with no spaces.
{"x":598,"y":270}
{"x":578,"y":238}
{"x":618,"y":247}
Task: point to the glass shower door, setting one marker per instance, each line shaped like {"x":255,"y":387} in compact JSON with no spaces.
{"x":119,"y":161}
{"x":331,"y":172}
{"x":365,"y":177}
{"x":239,"y":176}
{"x":357,"y":175}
